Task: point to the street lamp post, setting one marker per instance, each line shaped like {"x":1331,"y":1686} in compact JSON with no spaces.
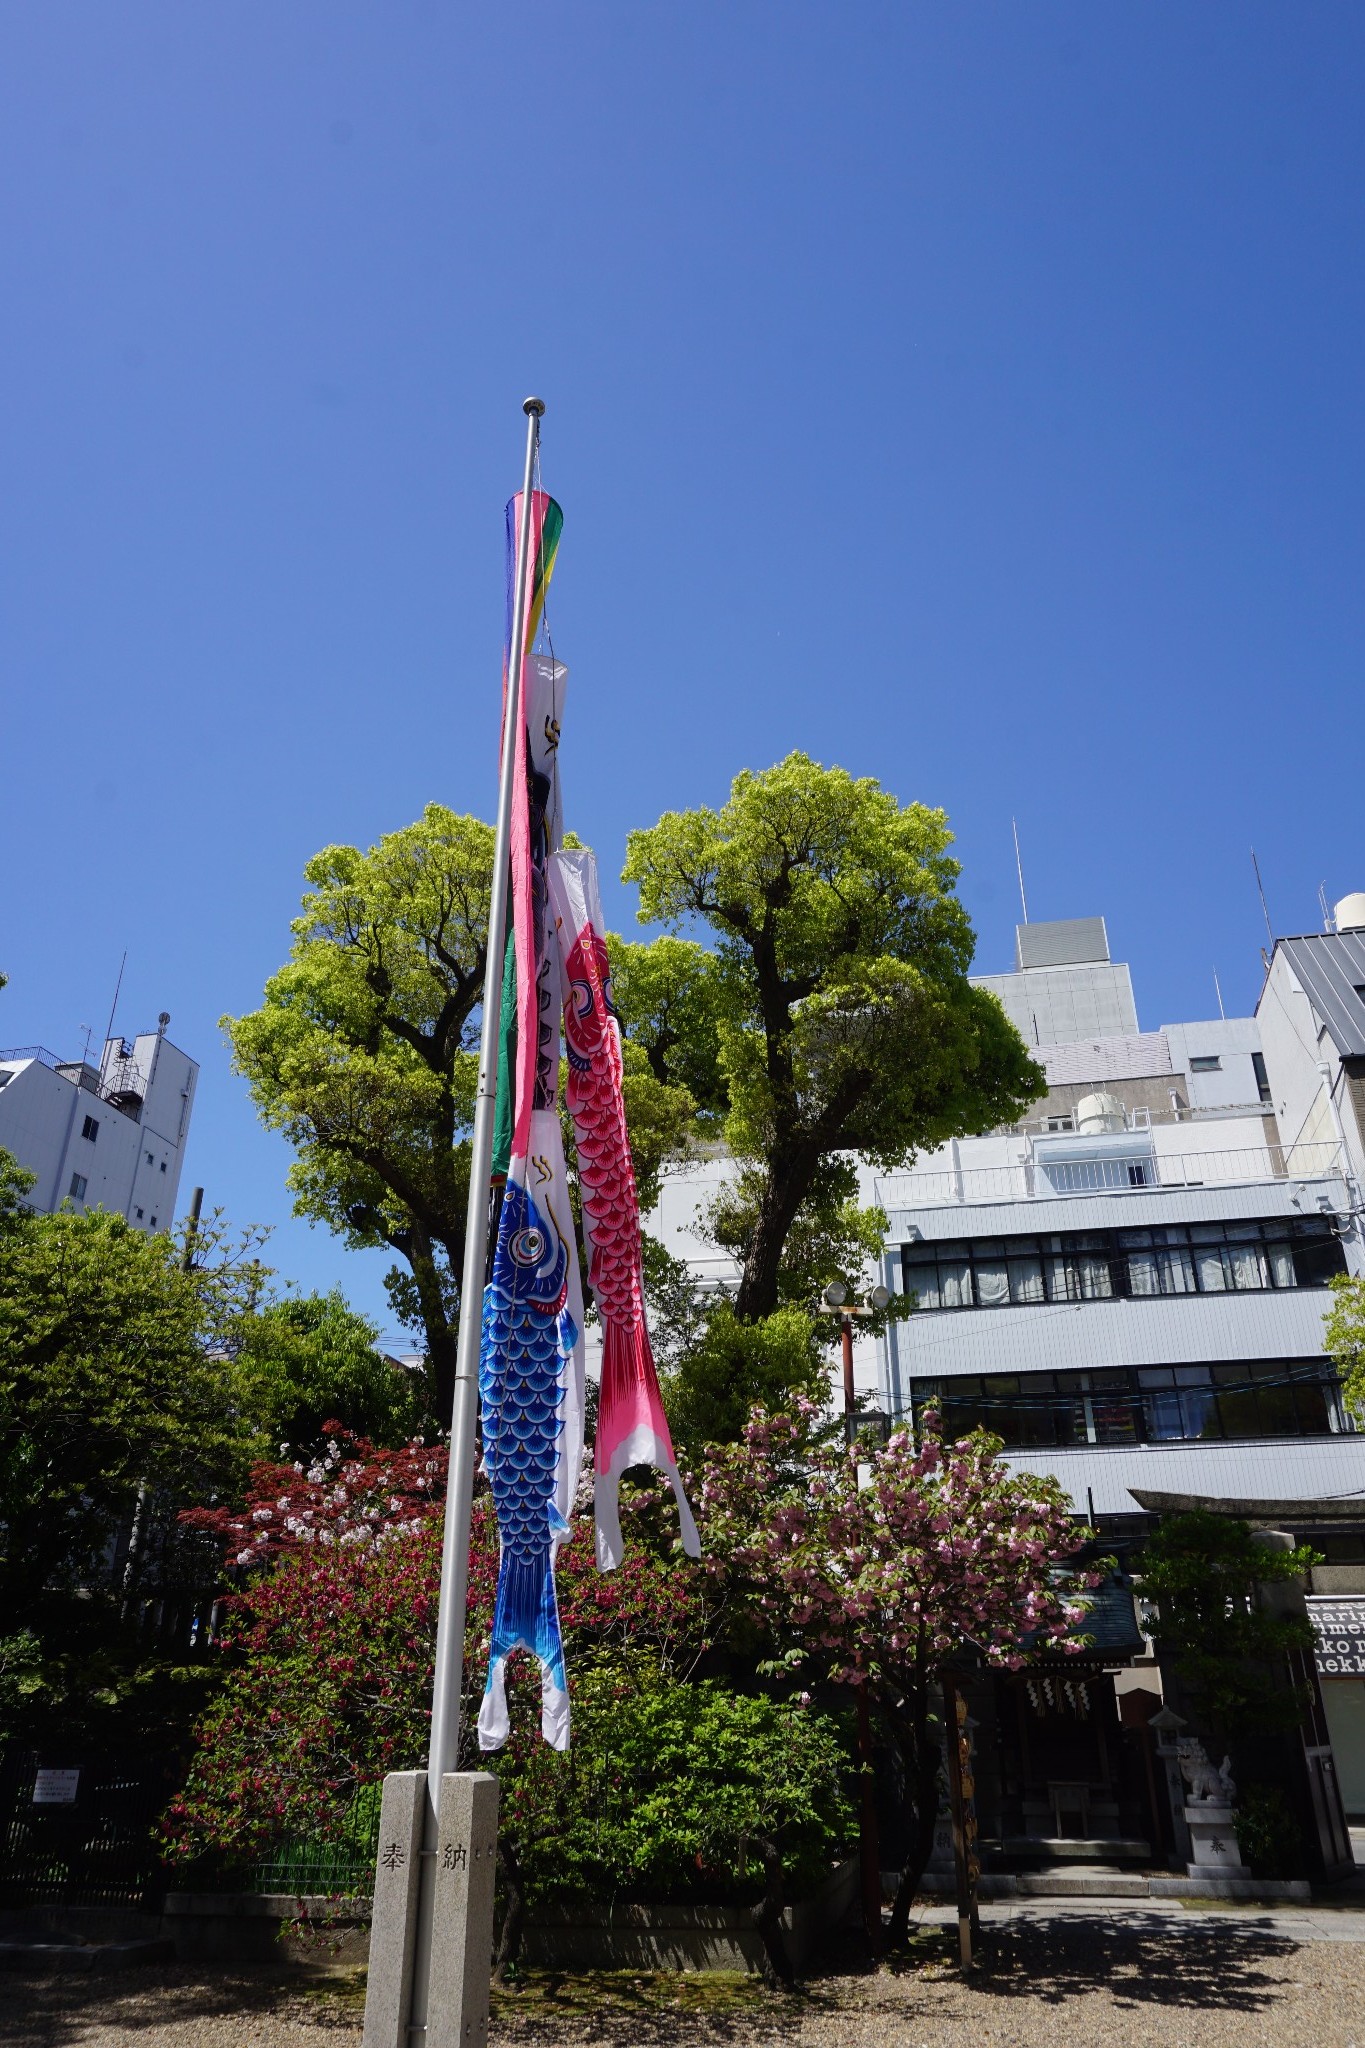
{"x":836,"y":1302}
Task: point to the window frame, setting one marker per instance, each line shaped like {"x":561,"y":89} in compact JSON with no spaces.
{"x":1108,"y":1407}
{"x":1210,"y":1258}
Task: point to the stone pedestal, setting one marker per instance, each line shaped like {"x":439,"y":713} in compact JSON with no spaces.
{"x":1213,"y":1840}
{"x":431,"y":1937}
{"x":393,"y":1926}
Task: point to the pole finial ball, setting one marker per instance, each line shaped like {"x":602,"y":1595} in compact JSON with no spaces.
{"x":534,"y":405}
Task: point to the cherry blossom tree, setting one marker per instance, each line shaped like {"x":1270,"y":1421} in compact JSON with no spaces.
{"x":940,"y":1555}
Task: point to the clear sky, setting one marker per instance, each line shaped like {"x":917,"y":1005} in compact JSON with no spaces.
{"x":969,"y":394}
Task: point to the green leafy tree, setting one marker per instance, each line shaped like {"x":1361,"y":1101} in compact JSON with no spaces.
{"x":307,"y":1360}
{"x":117,"y":1408}
{"x":1346,"y":1339}
{"x":105,"y":1385}
{"x":1207,"y":1574}
{"x":830,"y":1015}
{"x":15,"y":1182}
{"x":364,"y":1054}
{"x":840,"y":1005}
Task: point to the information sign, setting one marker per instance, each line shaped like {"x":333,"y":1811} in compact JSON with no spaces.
{"x":55,"y":1788}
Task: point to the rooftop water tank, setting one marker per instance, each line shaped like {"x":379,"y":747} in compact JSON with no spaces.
{"x":1100,"y":1112}
{"x":1349,"y":914}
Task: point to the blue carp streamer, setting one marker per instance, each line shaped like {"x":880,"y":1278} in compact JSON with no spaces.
{"x":527,"y":1334}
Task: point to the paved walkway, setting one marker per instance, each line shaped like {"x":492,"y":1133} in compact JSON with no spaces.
{"x":1321,"y":1921}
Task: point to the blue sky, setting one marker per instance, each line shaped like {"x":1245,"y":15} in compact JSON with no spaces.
{"x":969,"y":394}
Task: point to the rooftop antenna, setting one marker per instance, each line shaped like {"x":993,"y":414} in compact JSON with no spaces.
{"x":89,"y":1030}
{"x":1019,"y":867}
{"x":112,"y":1008}
{"x":1260,"y":890}
{"x":1218,"y":991}
{"x":1326,"y":914}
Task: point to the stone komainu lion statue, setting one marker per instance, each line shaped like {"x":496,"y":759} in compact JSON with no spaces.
{"x":1204,"y":1781}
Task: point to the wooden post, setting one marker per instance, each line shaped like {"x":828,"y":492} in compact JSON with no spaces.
{"x":962,"y":1805}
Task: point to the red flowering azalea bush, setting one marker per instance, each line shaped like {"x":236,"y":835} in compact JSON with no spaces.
{"x":330,"y":1627}
{"x":885,"y":1585}
{"x":889,"y":1579}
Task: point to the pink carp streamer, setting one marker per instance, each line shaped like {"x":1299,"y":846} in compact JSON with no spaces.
{"x":631,"y":1426}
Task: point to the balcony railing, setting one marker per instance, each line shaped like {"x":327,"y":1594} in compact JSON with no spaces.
{"x":1133,"y":1171}
{"x":34,"y":1052}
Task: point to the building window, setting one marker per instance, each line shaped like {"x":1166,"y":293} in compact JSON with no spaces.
{"x":1265,"y":1397}
{"x":1264,"y":1254}
{"x":151,"y":1160}
{"x":91,"y":1128}
{"x":1059,"y":1123}
{"x":139,"y":1215}
{"x":1091,"y":1176}
{"x":1205,"y":1063}
{"x":1262,"y":1078}
{"x":153,"y":1223}
{"x":78,"y":1187}
{"x":163,"y":1166}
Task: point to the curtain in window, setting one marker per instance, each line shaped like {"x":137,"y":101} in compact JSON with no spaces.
{"x":992,"y":1282}
{"x":1281,"y":1264}
{"x":1208,"y":1259}
{"x":1144,"y":1275}
{"x":1247,"y":1266}
{"x":955,"y":1283}
{"x":921,"y":1277}
{"x":1026,"y":1278}
{"x":1177,"y":1271}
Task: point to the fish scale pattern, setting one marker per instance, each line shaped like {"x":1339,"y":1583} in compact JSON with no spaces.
{"x":606,"y":1175}
{"x":527,"y":1333}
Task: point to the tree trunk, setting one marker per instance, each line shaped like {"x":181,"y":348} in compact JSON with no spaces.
{"x":514,"y":1914}
{"x":442,"y":1339}
{"x":787,"y":1187}
{"x":920,"y":1749}
{"x":777,"y":1970}
{"x":917,"y":1854}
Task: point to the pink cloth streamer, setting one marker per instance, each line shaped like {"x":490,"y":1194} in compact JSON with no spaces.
{"x":631,"y":1426}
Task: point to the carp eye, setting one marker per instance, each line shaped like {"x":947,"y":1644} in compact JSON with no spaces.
{"x":528,"y":1246}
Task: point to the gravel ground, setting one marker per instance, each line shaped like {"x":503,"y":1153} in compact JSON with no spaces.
{"x":1143,"y":1980}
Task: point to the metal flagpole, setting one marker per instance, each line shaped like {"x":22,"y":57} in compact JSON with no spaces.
{"x":445,"y":1705}
{"x":425,"y":1969}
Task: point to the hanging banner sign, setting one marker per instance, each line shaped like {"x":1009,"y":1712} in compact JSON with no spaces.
{"x":1340,"y":1629}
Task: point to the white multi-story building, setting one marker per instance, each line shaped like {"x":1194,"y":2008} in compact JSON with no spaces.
{"x":107,"y":1137}
{"x":1129,"y":1286}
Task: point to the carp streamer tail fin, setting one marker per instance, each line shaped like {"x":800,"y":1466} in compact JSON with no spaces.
{"x":631,"y":1430}
{"x":526,"y":1616}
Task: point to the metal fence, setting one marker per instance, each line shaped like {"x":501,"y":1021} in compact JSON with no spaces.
{"x":1038,"y":1176}
{"x":339,"y":1868}
{"x":80,"y":1830}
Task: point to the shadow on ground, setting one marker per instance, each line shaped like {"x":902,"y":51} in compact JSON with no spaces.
{"x":1222,"y":1966}
{"x":1218,"y":1967}
{"x":164,"y":2002}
